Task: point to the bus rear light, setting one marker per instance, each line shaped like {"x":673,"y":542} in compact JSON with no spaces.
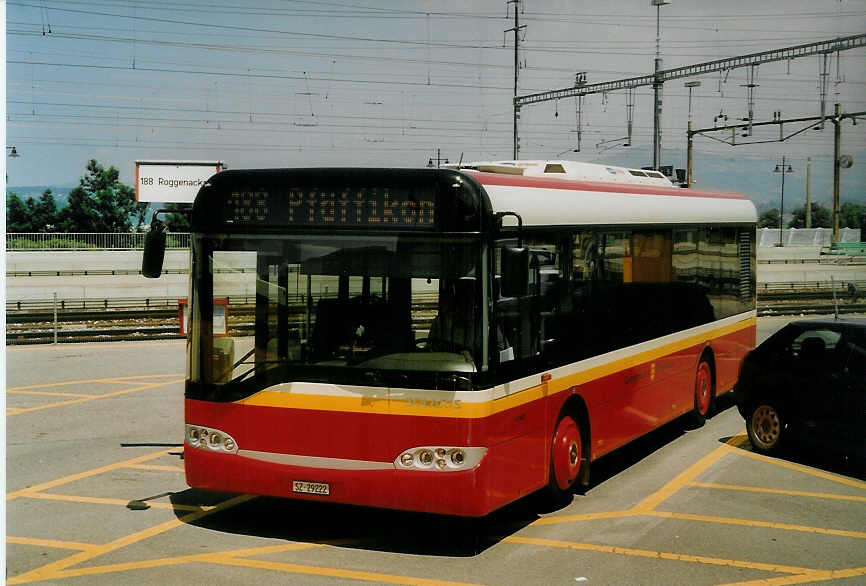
{"x":210,"y":439}
{"x":444,"y":459}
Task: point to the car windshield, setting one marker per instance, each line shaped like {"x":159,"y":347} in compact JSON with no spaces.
{"x":377,"y":311}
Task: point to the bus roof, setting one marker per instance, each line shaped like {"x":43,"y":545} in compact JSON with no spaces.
{"x":545,"y":201}
{"x":460,"y":201}
{"x":563,"y":169}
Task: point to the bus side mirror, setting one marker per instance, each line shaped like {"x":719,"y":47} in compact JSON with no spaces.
{"x":515,"y":272}
{"x":154,"y":250}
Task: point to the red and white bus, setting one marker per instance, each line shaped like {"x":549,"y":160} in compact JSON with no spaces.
{"x":449,"y":341}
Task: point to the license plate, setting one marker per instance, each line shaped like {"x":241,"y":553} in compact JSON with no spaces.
{"x":311,"y":487}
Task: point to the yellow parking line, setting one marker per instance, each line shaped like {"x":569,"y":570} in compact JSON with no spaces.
{"x":804,"y":469}
{"x":50,"y":543}
{"x":156,"y":467}
{"x":758,"y":489}
{"x":808,"y":578}
{"x":269,"y":549}
{"x":117,"y":379}
{"x":92,"y":500}
{"x":184,"y":559}
{"x":47,"y":393}
{"x":752,"y":523}
{"x":695,"y":559}
{"x":585,"y":517}
{"x":322,"y":571}
{"x":684,"y":478}
{"x":61,"y":384}
{"x":137,"y":376}
{"x":53,"y":570}
{"x":113,"y":568}
{"x":94,"y":472}
{"x":140,"y":387}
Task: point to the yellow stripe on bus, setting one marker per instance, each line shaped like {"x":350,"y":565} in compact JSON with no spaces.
{"x":426,"y":406}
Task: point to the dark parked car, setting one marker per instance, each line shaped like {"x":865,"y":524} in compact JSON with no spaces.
{"x":807,"y":382}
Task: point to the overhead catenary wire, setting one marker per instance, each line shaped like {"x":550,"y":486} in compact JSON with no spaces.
{"x":263,"y":70}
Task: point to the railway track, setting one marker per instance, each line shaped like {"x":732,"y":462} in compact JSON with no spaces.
{"x":149,"y":323}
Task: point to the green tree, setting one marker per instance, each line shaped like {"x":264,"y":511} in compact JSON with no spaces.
{"x":852,"y":215}
{"x":769,"y":219}
{"x":31,"y":215}
{"x":17,"y":214}
{"x":44,"y":212}
{"x":179,"y":222}
{"x":101,"y":203}
{"x":821,"y":217}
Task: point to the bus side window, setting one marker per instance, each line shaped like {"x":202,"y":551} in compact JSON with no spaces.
{"x":527,"y":324}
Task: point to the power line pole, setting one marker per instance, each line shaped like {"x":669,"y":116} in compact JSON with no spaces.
{"x":808,"y":192}
{"x":658,"y":85}
{"x":837,"y":147}
{"x":516,"y":30}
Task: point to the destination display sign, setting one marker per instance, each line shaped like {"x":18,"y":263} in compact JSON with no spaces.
{"x":351,"y":206}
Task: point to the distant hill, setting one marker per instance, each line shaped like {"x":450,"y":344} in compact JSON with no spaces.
{"x":754,"y":177}
{"x":60,"y":193}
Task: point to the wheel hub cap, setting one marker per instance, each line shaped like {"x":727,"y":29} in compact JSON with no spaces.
{"x":566,"y":453}
{"x":766,"y":426}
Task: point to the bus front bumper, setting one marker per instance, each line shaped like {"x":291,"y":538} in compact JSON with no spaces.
{"x":458,"y":493}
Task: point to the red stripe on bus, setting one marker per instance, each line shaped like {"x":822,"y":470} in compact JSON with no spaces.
{"x":573,"y":185}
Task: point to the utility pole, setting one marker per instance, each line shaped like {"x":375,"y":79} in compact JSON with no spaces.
{"x":516,"y":31}
{"x":690,"y":143}
{"x":783,"y":169}
{"x":837,"y":170}
{"x":438,"y":160}
{"x":658,"y":84}
{"x":808,"y":192}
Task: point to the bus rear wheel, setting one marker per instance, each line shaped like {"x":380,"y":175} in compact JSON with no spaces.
{"x":703,"y":393}
{"x":566,"y":454}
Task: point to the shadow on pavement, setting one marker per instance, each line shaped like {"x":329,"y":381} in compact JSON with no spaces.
{"x":851,"y":465}
{"x":354,"y":526}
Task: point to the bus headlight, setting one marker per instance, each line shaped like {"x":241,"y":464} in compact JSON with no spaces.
{"x":207,"y":438}
{"x":440,"y":458}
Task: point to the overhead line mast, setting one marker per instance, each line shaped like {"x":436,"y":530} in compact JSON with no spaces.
{"x":516,"y":30}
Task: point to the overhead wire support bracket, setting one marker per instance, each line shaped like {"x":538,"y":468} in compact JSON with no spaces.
{"x":787,"y":53}
{"x":810,"y":120}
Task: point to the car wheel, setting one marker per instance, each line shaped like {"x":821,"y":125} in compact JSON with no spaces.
{"x":565,"y":458}
{"x":703,"y":393}
{"x":766,"y":428}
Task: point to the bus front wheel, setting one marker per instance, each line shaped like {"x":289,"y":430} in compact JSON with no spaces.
{"x":565,"y":457}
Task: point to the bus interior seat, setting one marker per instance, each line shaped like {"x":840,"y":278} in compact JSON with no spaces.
{"x":332,"y":328}
{"x":454,"y":325}
{"x":389,"y":328}
{"x":338,"y":323}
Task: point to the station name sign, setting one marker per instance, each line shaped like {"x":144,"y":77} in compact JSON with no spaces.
{"x":172,"y":181}
{"x":351,"y":206}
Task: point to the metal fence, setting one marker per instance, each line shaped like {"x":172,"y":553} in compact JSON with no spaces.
{"x":806,"y":236}
{"x":88,"y":241}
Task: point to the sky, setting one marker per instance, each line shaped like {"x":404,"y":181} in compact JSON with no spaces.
{"x":394,"y":83}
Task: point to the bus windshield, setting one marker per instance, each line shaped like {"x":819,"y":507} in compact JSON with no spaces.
{"x":389,"y":310}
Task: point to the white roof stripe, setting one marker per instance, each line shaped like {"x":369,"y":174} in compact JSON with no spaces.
{"x":539,"y":206}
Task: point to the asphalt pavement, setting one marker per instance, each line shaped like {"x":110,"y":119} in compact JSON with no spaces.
{"x":96,"y":495}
